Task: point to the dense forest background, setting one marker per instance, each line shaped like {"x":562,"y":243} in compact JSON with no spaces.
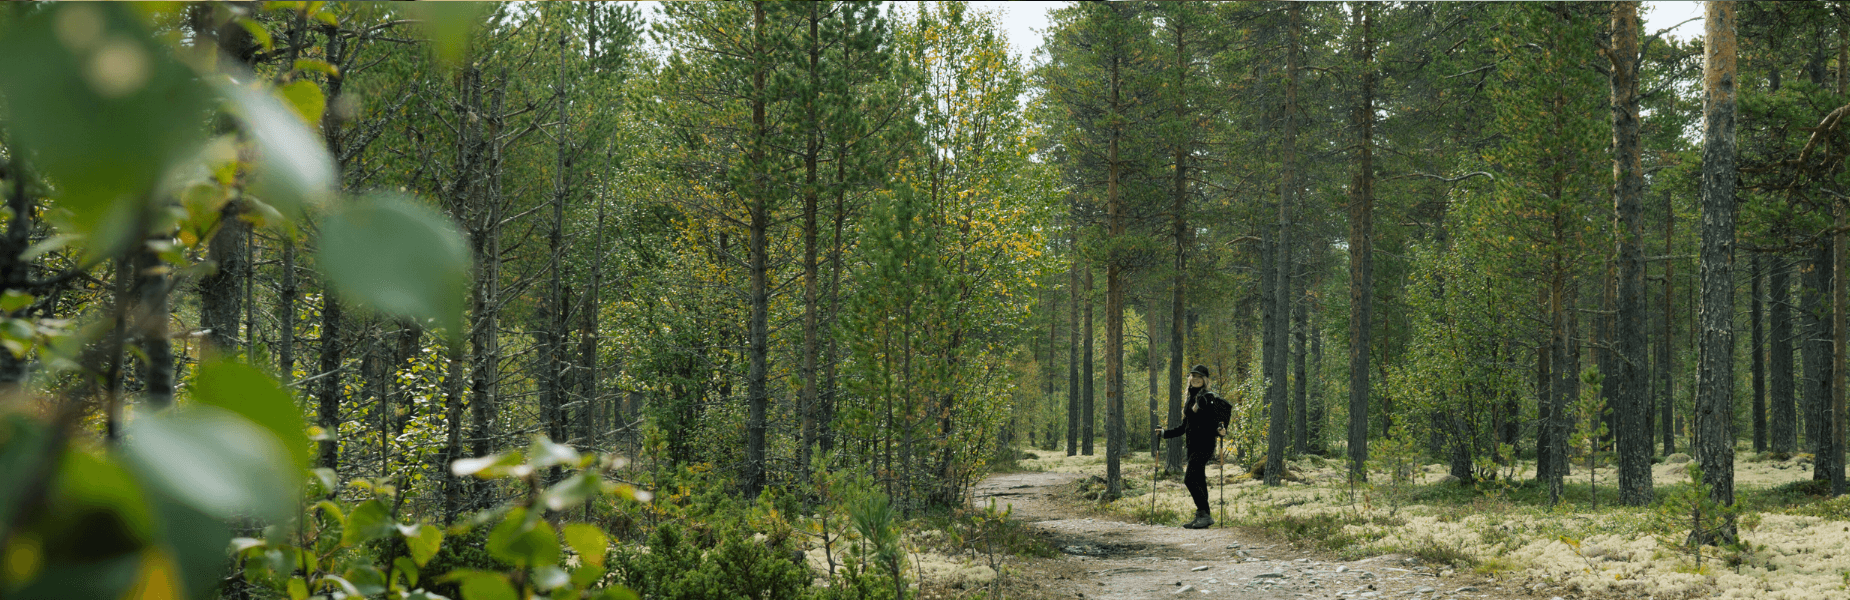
{"x":470,"y":265}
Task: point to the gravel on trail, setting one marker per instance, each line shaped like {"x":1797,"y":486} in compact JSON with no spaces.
{"x":1107,"y":558}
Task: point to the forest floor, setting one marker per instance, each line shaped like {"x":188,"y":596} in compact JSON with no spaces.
{"x":1317,"y":538}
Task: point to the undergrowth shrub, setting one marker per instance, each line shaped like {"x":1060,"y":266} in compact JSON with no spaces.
{"x":693,"y":564}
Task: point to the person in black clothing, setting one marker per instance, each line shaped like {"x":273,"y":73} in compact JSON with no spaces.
{"x":1204,"y":421}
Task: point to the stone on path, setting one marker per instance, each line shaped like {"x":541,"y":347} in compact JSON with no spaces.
{"x":1342,"y":568}
{"x":1270,"y":575}
{"x":1200,"y":568}
{"x":1185,"y":589}
{"x":1424,"y":590}
{"x":1468,"y":588}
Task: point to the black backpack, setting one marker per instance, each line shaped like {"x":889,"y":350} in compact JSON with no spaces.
{"x":1217,"y":410}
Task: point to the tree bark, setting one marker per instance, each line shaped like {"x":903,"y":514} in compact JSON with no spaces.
{"x":759,"y":251}
{"x":1317,"y":408}
{"x":151,"y":314}
{"x":1715,"y":376}
{"x":285,"y":299}
{"x":1631,"y":435}
{"x":1088,"y":375}
{"x":1757,"y":350}
{"x":1114,"y":293}
{"x":1666,"y":358}
{"x":1073,"y":352}
{"x":221,"y":293}
{"x":552,"y":368}
{"x":1361,"y":244}
{"x":1277,"y":335}
{"x":328,"y":393}
{"x":1154,"y":329}
{"x":15,"y":273}
{"x":806,"y":398}
{"x":1815,"y":347}
{"x":1782,"y":424}
{"x":1175,"y":453}
{"x":1300,"y":425}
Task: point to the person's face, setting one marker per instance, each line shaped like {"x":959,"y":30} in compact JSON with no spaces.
{"x":1196,"y":380}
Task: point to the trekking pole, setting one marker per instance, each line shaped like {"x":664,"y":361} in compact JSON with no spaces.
{"x":1153,"y":466}
{"x":1222,"y":451}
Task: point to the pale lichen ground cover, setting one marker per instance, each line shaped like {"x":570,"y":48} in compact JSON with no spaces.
{"x":1621,"y":552}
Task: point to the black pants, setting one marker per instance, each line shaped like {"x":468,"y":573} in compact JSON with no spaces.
{"x":1196,"y":477}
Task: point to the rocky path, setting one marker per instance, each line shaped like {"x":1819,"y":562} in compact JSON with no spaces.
{"x":1116,"y":560}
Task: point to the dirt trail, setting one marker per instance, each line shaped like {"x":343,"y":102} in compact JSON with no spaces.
{"x":1110,"y":559}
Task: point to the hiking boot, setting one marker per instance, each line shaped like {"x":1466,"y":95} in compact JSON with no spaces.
{"x":1202,"y":521}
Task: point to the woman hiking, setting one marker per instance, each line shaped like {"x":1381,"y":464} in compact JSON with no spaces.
{"x":1204,"y":421}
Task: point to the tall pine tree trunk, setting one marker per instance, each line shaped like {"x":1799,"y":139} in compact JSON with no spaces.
{"x":1114,"y":298}
{"x":150,"y":314}
{"x":1087,"y":374}
{"x":1154,"y":330}
{"x":1278,"y":335}
{"x":1632,"y":435}
{"x":1815,"y":347}
{"x":812,"y":150}
{"x":1833,"y":461}
{"x":1715,"y":375}
{"x":1073,"y":351}
{"x":1300,"y":419}
{"x":1316,"y":410}
{"x":1175,"y":453}
{"x":221,"y":293}
{"x":552,"y":371}
{"x":759,"y":266}
{"x":1361,"y":246}
{"x":1666,"y":373}
{"x":328,"y":392}
{"x":1757,"y":350}
{"x":1783,"y":415}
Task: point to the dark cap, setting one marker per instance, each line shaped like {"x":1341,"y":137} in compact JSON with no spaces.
{"x":1201,"y":370}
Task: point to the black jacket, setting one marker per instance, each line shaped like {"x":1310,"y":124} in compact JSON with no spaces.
{"x":1202,"y":425}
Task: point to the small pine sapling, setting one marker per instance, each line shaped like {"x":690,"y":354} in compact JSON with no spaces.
{"x":1590,"y":407}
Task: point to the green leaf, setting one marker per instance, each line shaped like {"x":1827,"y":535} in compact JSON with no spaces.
{"x":447,"y":25}
{"x":481,"y":585}
{"x":243,"y":389}
{"x":215,"y":461}
{"x":397,"y":257}
{"x":102,"y":108}
{"x":341,"y":582}
{"x":523,"y":539}
{"x":409,"y":568}
{"x":324,"y":477}
{"x":369,"y":521}
{"x":48,"y":245}
{"x":306,"y":99}
{"x":545,"y":453}
{"x":368,"y":579}
{"x":258,"y":32}
{"x":587,"y":575}
{"x":13,"y":300}
{"x":298,"y":589}
{"x":23,"y":443}
{"x":318,"y":65}
{"x":588,"y":541}
{"x":294,"y":171}
{"x":423,"y":541}
{"x":195,"y":540}
{"x":618,"y":592}
{"x":571,"y":492}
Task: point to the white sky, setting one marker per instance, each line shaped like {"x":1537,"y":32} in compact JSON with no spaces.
{"x":1022,"y":22}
